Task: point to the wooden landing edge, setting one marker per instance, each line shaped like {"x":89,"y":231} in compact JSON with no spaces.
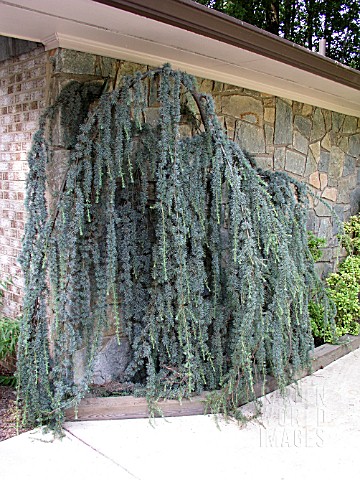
{"x":116,"y":408}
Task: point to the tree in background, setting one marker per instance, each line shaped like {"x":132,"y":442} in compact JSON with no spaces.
{"x":304,"y":22}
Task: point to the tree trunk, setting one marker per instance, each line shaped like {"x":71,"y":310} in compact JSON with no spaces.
{"x":327,"y":27}
{"x":272,"y":16}
{"x":310,"y":23}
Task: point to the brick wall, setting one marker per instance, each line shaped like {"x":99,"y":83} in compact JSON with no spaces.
{"x":22,"y":97}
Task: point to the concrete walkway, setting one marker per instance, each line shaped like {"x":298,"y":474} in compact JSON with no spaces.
{"x":315,"y":432}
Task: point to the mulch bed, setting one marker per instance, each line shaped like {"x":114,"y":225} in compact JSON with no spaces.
{"x":7,"y":413}
{"x":8,"y":407}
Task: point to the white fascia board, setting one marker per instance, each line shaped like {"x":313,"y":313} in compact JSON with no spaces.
{"x":243,"y":76}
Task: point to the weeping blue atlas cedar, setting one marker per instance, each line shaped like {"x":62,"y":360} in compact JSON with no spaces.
{"x":204,"y":255}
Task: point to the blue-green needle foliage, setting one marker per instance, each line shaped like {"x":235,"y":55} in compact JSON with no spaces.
{"x":205,"y":257}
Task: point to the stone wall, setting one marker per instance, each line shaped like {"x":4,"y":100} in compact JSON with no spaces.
{"x":67,"y":65}
{"x":22,"y":97}
{"x":312,"y":144}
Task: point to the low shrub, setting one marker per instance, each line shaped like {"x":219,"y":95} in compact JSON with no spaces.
{"x":343,"y":287}
{"x":9,"y":333}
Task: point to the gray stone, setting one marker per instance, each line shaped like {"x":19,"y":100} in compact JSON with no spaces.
{"x":354,"y":145}
{"x":269,"y":134}
{"x":218,"y":86}
{"x":153,"y":96}
{"x":71,"y":61}
{"x":250,"y":137}
{"x":336,"y":165}
{"x":266,"y":163}
{"x":338,"y":218}
{"x":253,"y":93}
{"x":225,"y":239}
{"x":318,"y":130}
{"x":269,"y":149}
{"x":311,"y":165}
{"x":207,"y":86}
{"x":250,"y":117}
{"x":345,"y":185}
{"x":344,"y":144}
{"x":337,"y":120}
{"x":332,"y":181}
{"x":355,"y":201}
{"x":327,"y":255}
{"x":327,"y":119}
{"x":283,"y":123}
{"x":279,"y":158}
{"x":324,"y":161}
{"x":327,"y":141}
{"x":108,"y":67}
{"x":325,"y":228}
{"x":339,"y":210}
{"x":230,"y":127}
{"x":311,"y":223}
{"x":225,"y":194}
{"x":152,"y":116}
{"x":129,"y":68}
{"x":303,"y":124}
{"x":343,"y":195}
{"x":242,"y":105}
{"x":322,"y":209}
{"x":349,"y":165}
{"x":110,"y":363}
{"x":323,"y":269}
{"x":315,"y":149}
{"x":349,"y":125}
{"x":56,"y":170}
{"x":301,"y":144}
{"x":295,"y":162}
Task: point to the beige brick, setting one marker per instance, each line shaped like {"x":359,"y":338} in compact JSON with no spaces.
{"x":22,"y":95}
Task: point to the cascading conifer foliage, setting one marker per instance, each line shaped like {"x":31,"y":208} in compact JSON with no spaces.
{"x":203,"y":255}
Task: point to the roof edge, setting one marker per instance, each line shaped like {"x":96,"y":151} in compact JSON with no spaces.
{"x":196,"y":18}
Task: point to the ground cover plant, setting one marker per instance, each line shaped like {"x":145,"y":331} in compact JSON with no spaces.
{"x":343,"y":288}
{"x":9,"y":331}
{"x":202,"y":257}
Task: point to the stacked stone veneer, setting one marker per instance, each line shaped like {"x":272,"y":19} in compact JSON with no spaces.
{"x":313,"y":144}
{"x":22,"y":98}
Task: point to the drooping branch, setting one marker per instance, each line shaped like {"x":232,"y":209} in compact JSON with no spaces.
{"x":200,"y":258}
